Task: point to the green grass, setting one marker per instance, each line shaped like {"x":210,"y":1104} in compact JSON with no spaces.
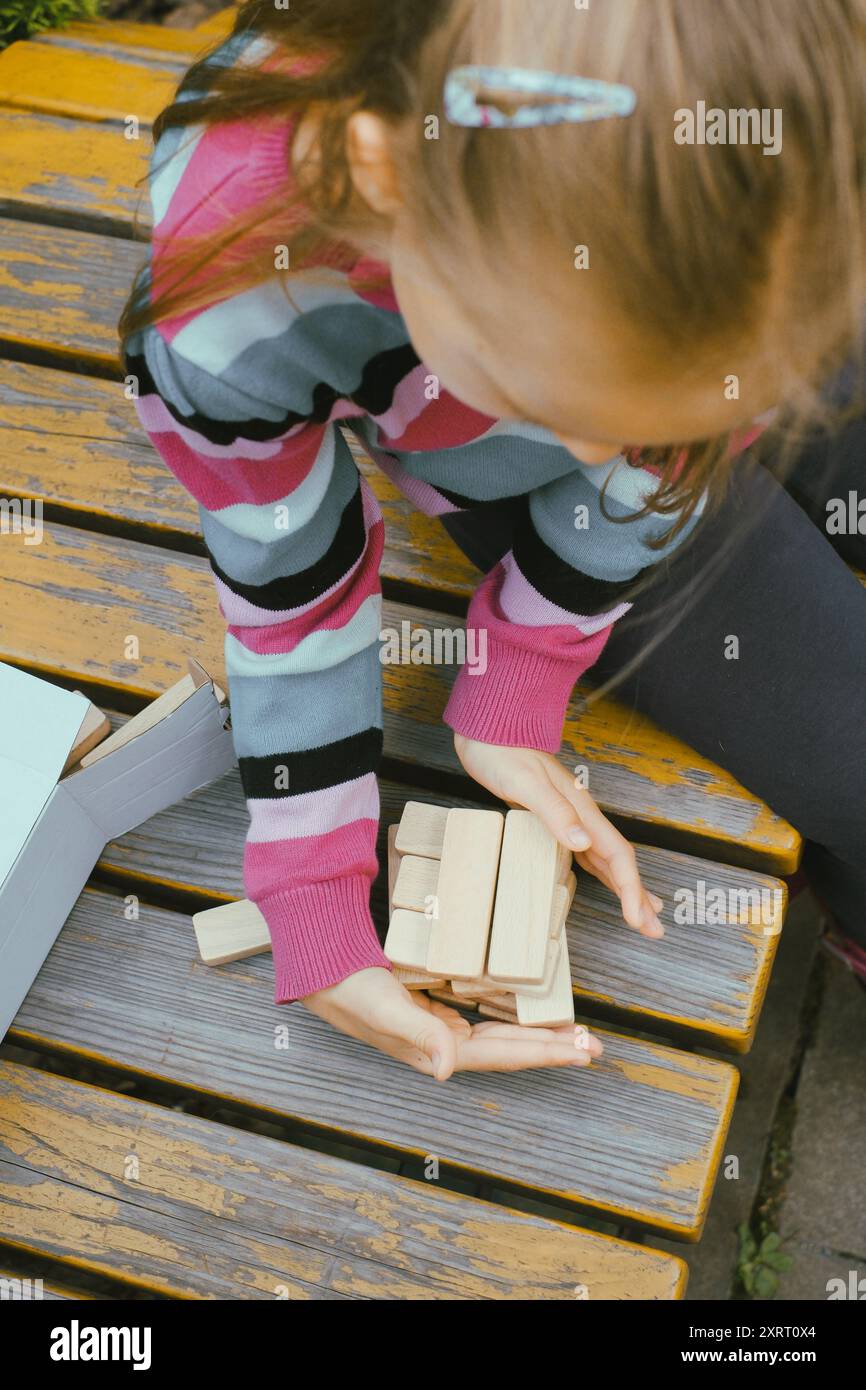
{"x":20,"y":18}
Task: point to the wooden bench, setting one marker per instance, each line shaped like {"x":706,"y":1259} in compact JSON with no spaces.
{"x":584,"y":1166}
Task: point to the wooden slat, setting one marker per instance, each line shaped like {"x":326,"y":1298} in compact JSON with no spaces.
{"x":73,"y":169}
{"x":638,"y":1135}
{"x":187,"y":1207}
{"x":82,"y":595}
{"x":62,"y":291}
{"x":51,"y":1291}
{"x":89,"y":86}
{"x":145,"y":41}
{"x":706,"y":983}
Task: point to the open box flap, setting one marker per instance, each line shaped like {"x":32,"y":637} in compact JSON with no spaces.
{"x":184,"y":751}
{"x":38,"y":725}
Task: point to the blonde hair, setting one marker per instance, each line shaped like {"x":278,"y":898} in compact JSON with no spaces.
{"x":688,"y":240}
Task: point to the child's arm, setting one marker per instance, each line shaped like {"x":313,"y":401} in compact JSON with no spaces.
{"x":294,"y":536}
{"x":546,"y":610}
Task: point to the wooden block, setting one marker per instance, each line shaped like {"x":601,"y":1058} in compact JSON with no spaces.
{"x":491,"y":1011}
{"x":95,"y":726}
{"x":563,"y":894}
{"x":417,"y":979}
{"x":529,"y":864}
{"x":416,"y":883}
{"x":447,"y":996}
{"x":566,"y":861}
{"x":465,"y":893}
{"x":408,"y":939}
{"x":411,"y":979}
{"x":158,"y":709}
{"x":557,"y":1007}
{"x":232,"y":932}
{"x":422,"y":829}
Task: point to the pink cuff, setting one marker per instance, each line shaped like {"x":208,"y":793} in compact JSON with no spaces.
{"x":321,"y":933}
{"x":521,"y":698}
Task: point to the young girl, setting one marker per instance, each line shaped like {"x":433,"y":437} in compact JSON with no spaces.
{"x":553,"y":300}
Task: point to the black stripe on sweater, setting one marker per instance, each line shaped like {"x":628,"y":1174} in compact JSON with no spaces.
{"x":381,"y":376}
{"x":279,"y":775}
{"x":556,"y":580}
{"x":292,"y":590}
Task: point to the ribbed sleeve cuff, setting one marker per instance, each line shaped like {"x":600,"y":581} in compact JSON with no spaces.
{"x":321,"y":933}
{"x":520,"y":700}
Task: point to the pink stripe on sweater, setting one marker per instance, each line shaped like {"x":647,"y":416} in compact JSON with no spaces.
{"x":223,"y":482}
{"x":423,"y":495}
{"x":520,"y":602}
{"x":349,"y":848}
{"x":313,"y":814}
{"x":269,"y":637}
{"x":557,"y":641}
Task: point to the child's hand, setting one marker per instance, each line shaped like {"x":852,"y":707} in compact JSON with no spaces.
{"x":539,"y":782}
{"x":375,"y":1008}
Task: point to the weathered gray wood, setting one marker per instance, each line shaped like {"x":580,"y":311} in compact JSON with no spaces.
{"x":185,"y":1206}
{"x":63,"y":291}
{"x":638,"y":1134}
{"x":50,"y":1293}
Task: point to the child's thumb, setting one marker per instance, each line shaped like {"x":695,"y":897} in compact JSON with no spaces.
{"x":436,"y":1040}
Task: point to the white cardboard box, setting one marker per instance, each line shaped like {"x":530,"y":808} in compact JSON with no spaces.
{"x":53,"y":828}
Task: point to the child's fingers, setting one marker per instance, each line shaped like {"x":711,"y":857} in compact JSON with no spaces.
{"x":489,"y":1052}
{"x":648,"y":922}
{"x":573,"y":1033}
{"x":557,"y":812}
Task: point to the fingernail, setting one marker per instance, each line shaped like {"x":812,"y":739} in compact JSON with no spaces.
{"x":578,"y":838}
{"x":436,"y":1059}
{"x":581,"y":1059}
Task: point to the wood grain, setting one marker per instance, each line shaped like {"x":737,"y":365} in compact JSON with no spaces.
{"x":638,"y":1134}
{"x":465,"y":889}
{"x":524,"y":900}
{"x":63,"y":290}
{"x":188,"y":1207}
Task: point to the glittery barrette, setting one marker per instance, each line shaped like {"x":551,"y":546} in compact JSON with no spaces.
{"x":579,"y":98}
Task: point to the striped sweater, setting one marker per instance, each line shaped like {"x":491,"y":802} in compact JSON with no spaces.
{"x":246,"y":400}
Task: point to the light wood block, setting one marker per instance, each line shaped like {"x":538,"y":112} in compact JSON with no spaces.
{"x":416,"y":883}
{"x":231,"y":932}
{"x":422,"y":829}
{"x":556,"y":1007}
{"x":447,"y":996}
{"x":416,"y":979}
{"x":408,"y":939}
{"x":158,"y":709}
{"x":529,"y":865}
{"x":465,"y":893}
{"x":95,"y":726}
{"x":565,"y":864}
{"x":488,"y":1010}
{"x":410,"y":979}
{"x":563,"y":894}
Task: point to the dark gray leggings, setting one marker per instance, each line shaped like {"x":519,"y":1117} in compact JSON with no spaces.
{"x":788,"y":718}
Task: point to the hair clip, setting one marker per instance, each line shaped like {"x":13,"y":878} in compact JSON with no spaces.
{"x":583,"y":99}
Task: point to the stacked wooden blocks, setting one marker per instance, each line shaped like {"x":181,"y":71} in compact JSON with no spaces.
{"x":478,"y":908}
